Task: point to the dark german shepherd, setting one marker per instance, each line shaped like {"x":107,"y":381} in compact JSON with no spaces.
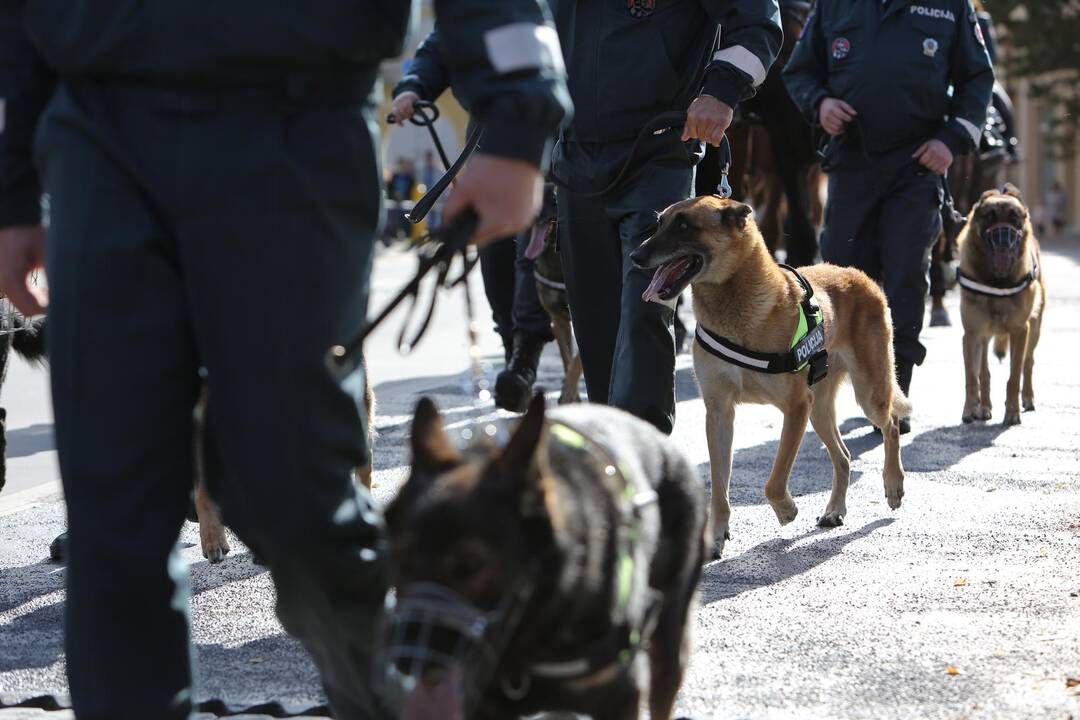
{"x":553,"y":572}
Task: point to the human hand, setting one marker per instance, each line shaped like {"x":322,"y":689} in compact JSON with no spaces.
{"x":935,"y":156}
{"x":835,"y":114}
{"x":707,"y":119}
{"x":404,"y":106}
{"x":22,"y":250}
{"x":505,"y":194}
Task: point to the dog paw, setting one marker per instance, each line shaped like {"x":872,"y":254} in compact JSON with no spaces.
{"x":718,"y":544}
{"x":831,"y":519}
{"x":1012,"y":418}
{"x":894,"y":496}
{"x":215,"y":549}
{"x":785,"y":510}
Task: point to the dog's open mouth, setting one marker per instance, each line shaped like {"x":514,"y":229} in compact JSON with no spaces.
{"x":671,"y":278}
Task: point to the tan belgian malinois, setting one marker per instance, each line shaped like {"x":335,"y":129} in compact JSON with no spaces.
{"x":1002,"y":297}
{"x":764,"y":334}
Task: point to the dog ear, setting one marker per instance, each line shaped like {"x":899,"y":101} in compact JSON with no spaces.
{"x":525,"y":456}
{"x":431,"y":446}
{"x":1013,"y":191}
{"x":734,"y":214}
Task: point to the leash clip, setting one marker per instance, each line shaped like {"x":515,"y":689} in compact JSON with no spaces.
{"x":724,"y":188}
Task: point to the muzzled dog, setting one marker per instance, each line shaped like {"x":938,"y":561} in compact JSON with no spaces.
{"x":555,"y":571}
{"x":551,"y":289}
{"x":764,"y":337}
{"x":212,"y":536}
{"x":1002,"y":297}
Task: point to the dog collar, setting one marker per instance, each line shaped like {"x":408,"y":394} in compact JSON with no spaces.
{"x":807,"y":345}
{"x":548,"y":283}
{"x":979,"y":288}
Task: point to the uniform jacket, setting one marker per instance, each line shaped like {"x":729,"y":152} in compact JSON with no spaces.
{"x":506,"y":58}
{"x":426,"y":74}
{"x":895,"y":66}
{"x":629,"y":60}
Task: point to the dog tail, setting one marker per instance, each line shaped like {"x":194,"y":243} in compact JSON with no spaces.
{"x":1000,"y":344}
{"x":901,"y":406}
{"x":29,"y":341}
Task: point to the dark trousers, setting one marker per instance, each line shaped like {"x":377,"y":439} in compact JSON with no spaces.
{"x":883,"y":218}
{"x":187,"y":235}
{"x":627,"y":345}
{"x":511,"y":290}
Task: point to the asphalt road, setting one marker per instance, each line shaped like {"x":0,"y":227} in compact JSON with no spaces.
{"x":965,"y":603}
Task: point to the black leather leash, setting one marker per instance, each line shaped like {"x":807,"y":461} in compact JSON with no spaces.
{"x":425,"y":114}
{"x":442,"y":247}
{"x":655,"y":126}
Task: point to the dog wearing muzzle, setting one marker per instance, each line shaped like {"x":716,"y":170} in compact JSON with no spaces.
{"x":1002,"y":298}
{"x":551,"y":570}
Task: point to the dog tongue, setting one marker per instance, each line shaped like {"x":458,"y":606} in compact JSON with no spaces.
{"x":539,"y":236}
{"x":662,"y":277}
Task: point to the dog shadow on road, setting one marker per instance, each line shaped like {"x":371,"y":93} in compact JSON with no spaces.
{"x":776,"y":560}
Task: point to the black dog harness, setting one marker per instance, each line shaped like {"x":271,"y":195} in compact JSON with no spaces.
{"x":979,"y":288}
{"x":807,"y":346}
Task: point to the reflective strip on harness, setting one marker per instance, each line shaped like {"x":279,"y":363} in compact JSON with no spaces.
{"x":548,"y":283}
{"x":980,"y":289}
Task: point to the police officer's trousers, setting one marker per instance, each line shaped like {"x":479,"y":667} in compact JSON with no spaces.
{"x":511,"y":290}
{"x":627,"y":345}
{"x":883,"y":218}
{"x":186,"y":234}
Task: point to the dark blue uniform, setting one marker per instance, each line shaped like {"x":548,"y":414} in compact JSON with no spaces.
{"x":628,"y":61}
{"x":913,"y":70}
{"x":215,"y":193}
{"x":508,"y":274}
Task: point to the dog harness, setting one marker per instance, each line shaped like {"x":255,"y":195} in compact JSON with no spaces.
{"x":807,"y":346}
{"x":979,"y":288}
{"x":633,"y":614}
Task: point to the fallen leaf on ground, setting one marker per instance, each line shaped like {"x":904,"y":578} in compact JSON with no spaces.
{"x":255,"y":660}
{"x":1072,"y":682}
{"x":959,"y":582}
{"x":952,"y":670}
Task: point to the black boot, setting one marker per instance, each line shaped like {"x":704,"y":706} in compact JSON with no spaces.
{"x":514,"y":385}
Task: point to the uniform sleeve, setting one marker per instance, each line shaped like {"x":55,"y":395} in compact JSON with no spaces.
{"x":807,"y":71}
{"x":427,"y":76}
{"x":25,"y":87}
{"x":507,"y":66}
{"x":750,"y":40}
{"x":972,"y":78}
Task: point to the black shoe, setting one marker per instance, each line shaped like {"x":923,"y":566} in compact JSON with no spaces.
{"x":58,"y":548}
{"x":514,"y":385}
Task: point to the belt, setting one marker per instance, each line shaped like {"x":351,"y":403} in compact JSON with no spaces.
{"x":290,"y":90}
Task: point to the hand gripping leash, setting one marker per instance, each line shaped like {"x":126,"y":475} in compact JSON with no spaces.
{"x":659,"y":124}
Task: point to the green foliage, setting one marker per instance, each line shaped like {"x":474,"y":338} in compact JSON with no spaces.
{"x":1041,"y":41}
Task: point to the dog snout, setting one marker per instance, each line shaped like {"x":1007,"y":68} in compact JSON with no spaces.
{"x":640,"y":256}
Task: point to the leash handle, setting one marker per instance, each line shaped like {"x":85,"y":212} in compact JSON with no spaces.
{"x":449,"y":240}
{"x":423,"y":205}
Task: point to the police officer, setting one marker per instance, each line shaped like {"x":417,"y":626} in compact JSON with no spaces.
{"x":876,"y":76}
{"x":215,"y":196}
{"x":628,"y":61}
{"x":519,"y":318}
